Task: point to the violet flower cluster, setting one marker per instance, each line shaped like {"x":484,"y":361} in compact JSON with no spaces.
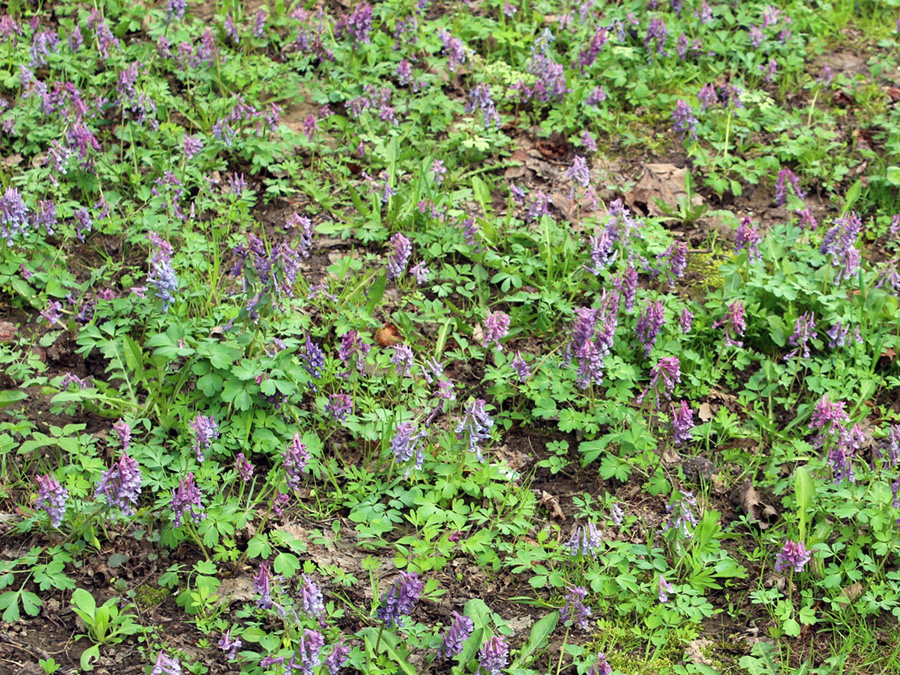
{"x":574,"y":609}
{"x":296,"y":457}
{"x":456,"y":634}
{"x":475,"y":426}
{"x":52,"y":498}
{"x":400,"y":599}
{"x":585,"y":541}
{"x":206,"y":431}
{"x":792,"y":555}
{"x":682,"y":423}
{"x":121,"y":484}
{"x":839,"y":242}
{"x":496,"y":326}
{"x":187,"y":497}
{"x":663,"y":378}
{"x":804,"y":328}
{"x":493,"y":656}
{"x":406,"y":443}
{"x":401,"y":250}
{"x":649,"y":323}
{"x":734,"y":323}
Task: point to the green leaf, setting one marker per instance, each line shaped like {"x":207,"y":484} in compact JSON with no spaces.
{"x":805,"y":490}
{"x":853,"y":194}
{"x":389,"y":644}
{"x":376,"y":292}
{"x":84,"y":601}
{"x":470,"y":647}
{"x":893,"y":175}
{"x":540,"y":632}
{"x":479,"y":612}
{"x":286,"y":564}
{"x":791,"y":628}
{"x":88,"y":656}
{"x":10,"y":396}
{"x":9,"y":602}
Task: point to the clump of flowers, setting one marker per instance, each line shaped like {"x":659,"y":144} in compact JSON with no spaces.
{"x":496,"y":326}
{"x":52,"y":498}
{"x":585,"y":541}
{"x":734,"y":323}
{"x":650,"y":322}
{"x":786,"y":177}
{"x":682,"y":423}
{"x":574,"y":609}
{"x":475,"y":425}
{"x":748,"y":237}
{"x":121,"y":484}
{"x":207,"y":431}
{"x":165,"y":665}
{"x":664,"y":589}
{"x":456,"y":634}
{"x":339,"y":406}
{"x":311,"y":600}
{"x":296,"y":458}
{"x":839,"y":242}
{"x":229,"y":645}
{"x":683,"y":121}
{"x":405,"y":443}
{"x":493,"y":656}
{"x":663,"y":378}
{"x":244,"y":467}
{"x":521,"y":367}
{"x":401,"y":250}
{"x":162,"y":275}
{"x":401,"y":597}
{"x":682,"y":518}
{"x":805,"y":325}
{"x":600,"y":666}
{"x":187,"y":497}
{"x":792,"y":555}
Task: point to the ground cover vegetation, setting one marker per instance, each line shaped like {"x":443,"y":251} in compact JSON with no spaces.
{"x":497,"y":337}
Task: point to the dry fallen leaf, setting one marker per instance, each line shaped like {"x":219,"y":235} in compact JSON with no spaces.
{"x":7,"y":331}
{"x":694,"y":652}
{"x":552,"y":505}
{"x":706,"y":412}
{"x":748,"y":499}
{"x":388,"y":335}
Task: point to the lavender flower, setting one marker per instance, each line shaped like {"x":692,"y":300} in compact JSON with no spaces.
{"x":356,"y":25}
{"x":748,"y":237}
{"x":827,"y":416}
{"x":352,"y":345}
{"x":191,"y":146}
{"x":52,"y":498}
{"x":121,"y":484}
{"x":243,"y":467}
{"x":785,"y":177}
{"x":13,"y":215}
{"x":405,"y":443}
{"x":476,"y":426}
{"x":681,"y":514}
{"x":456,"y":634}
{"x":686,"y":320}
{"x":893,"y":444}
{"x":207,"y":431}
{"x":603,"y":252}
{"x":656,"y":38}
{"x":165,"y":665}
{"x":313,"y":359}
{"x":628,"y":287}
{"x":296,"y":457}
{"x":601,"y":666}
{"x":338,"y":658}
{"x":793,"y":554}
{"x":187,"y":496}
{"x":707,"y":96}
{"x":579,"y":172}
{"x":403,"y":359}
{"x":588,"y":142}
{"x":400,"y":599}
{"x":585,"y":541}
{"x":279,"y":501}
{"x":496,"y":326}
{"x":401,"y":251}
{"x":650,"y":322}
{"x":229,"y":645}
{"x":682,"y":423}
{"x":805,"y":324}
{"x":162,"y":275}
{"x":733,"y":321}
{"x":596,"y":97}
{"x":339,"y":406}
{"x":493,"y":656}
{"x":311,"y":601}
{"x":847,"y":443}
{"x":438,"y":170}
{"x":309,"y":651}
{"x":480,"y":99}
{"x":175,"y":10}
{"x":574,"y":609}
{"x":664,"y":589}
{"x":684,"y":121}
{"x":839,"y":242}
{"x":675,"y":258}
{"x":259,"y":25}
{"x":521,"y":368}
{"x":262,"y":584}
{"x":669,"y":369}
{"x":420,"y":272}
{"x":616,"y":514}
{"x":454,"y":49}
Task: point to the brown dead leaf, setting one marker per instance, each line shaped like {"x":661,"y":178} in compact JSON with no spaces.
{"x":388,"y":335}
{"x":7,"y":331}
{"x":748,"y":498}
{"x":563,"y":204}
{"x":693,"y":652}
{"x":850,"y":593}
{"x":706,"y":412}
{"x":11,"y":161}
{"x":670,"y":457}
{"x":551,"y":503}
{"x":663,"y":182}
{"x":236,"y":589}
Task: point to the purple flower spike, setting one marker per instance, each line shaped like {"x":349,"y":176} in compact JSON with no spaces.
{"x":585,"y":541}
{"x":579,"y":172}
{"x":401,"y":251}
{"x":340,"y":653}
{"x":494,"y":656}
{"x":309,"y":651}
{"x":165,"y":665}
{"x":121,"y":485}
{"x":262,"y":585}
{"x":52,"y":498}
{"x":454,"y":637}
{"x":311,"y":600}
{"x":686,"y":320}
{"x":521,"y":368}
{"x":733,"y":322}
{"x":229,"y":645}
{"x":187,"y":496}
{"x":650,"y":322}
{"x":496,"y":326}
{"x":793,"y":554}
{"x":600,"y":667}
{"x":405,"y":443}
{"x":683,"y":121}
{"x":476,"y":425}
{"x":400,"y":599}
{"x":339,"y":406}
{"x":207,"y":431}
{"x":575,"y":610}
{"x":805,"y":325}
{"x":295,"y":459}
{"x":244,"y":467}
{"x":664,"y":589}
{"x":123,"y":431}
{"x":669,"y":369}
{"x":786,"y":177}
{"x":748,"y":237}
{"x":682,"y":423}
{"x":839,"y":242}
